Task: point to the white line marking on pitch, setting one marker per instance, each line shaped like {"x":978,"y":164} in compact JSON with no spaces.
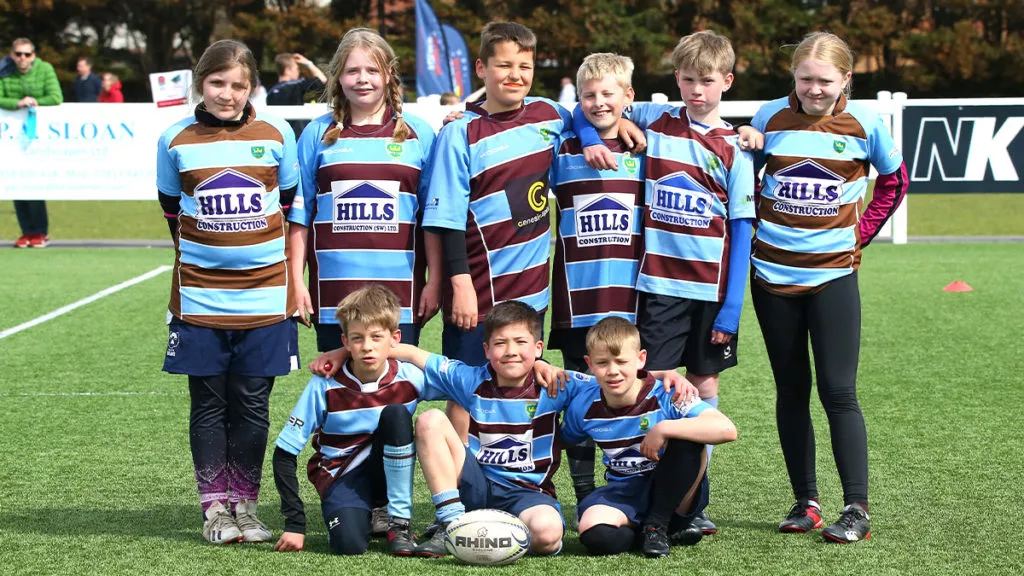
{"x":65,"y":309}
{"x":65,"y":394}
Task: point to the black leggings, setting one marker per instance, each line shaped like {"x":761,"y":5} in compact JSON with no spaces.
{"x":832,"y":319}
{"x":228,"y":434}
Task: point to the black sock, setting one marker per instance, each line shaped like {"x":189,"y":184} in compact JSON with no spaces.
{"x":581,"y":467}
{"x":674,"y":475}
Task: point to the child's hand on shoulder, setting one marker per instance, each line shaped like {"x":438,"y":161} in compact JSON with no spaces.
{"x":751,"y":139}
{"x":552,"y":378}
{"x":290,"y":542}
{"x":328,"y":363}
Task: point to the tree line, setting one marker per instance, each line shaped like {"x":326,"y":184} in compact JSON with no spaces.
{"x":953,"y":48}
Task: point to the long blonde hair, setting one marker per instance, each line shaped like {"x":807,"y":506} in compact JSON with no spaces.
{"x":380,"y":51}
{"x":826,"y":47}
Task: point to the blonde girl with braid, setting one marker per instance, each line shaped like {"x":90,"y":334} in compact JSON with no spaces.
{"x":356,"y":219}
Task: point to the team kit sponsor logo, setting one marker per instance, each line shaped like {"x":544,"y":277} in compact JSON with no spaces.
{"x":230,"y":201}
{"x":512,"y":452}
{"x":679,"y":199}
{"x":629,"y":461}
{"x":808,"y":189}
{"x":365,"y":206}
{"x":528,"y":201}
{"x":603,"y":219}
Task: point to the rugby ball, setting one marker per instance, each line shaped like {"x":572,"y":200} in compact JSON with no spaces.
{"x":487,"y":538}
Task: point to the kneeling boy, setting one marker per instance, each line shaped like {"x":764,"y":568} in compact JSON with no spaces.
{"x":360,"y":421}
{"x":654,"y":450}
{"x":512,"y":454}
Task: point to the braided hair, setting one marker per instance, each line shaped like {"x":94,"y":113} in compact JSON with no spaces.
{"x":380,"y":51}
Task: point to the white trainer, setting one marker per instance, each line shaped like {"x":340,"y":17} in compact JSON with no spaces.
{"x":220,"y":527}
{"x":253,"y":530}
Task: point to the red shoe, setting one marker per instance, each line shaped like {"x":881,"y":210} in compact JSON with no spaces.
{"x":38,"y":240}
{"x":803,"y":517}
{"x":22,"y":242}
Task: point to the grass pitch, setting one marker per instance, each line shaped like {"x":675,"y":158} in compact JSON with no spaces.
{"x":96,"y":477}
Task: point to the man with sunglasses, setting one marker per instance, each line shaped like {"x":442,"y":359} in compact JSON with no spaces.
{"x":27,"y":84}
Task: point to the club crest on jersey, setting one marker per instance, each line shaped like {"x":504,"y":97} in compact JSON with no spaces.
{"x":365,"y":206}
{"x":547,"y":134}
{"x":712,"y":163}
{"x":645,"y":424}
{"x":681,"y":200}
{"x":531,"y":409}
{"x":603,"y":219}
{"x":258,"y":151}
{"x":528,"y":202}
{"x":509,"y":452}
{"x":395,"y":149}
{"x":630,"y":461}
{"x":839,"y":146}
{"x":808,"y":189}
{"x":229,"y":201}
{"x":630,"y":164}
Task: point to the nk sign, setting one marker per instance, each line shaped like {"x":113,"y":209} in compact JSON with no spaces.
{"x":969,"y":148}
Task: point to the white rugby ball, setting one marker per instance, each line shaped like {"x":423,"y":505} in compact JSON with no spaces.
{"x":487,"y":537}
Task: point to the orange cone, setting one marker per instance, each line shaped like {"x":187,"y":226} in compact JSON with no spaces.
{"x":958,"y":286}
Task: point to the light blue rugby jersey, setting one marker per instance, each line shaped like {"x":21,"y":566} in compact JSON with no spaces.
{"x":620,"y":431}
{"x":341,"y":415}
{"x":361,"y":198}
{"x":490,"y":177}
{"x":599,"y":241}
{"x":816,"y":176}
{"x":231,"y":225}
{"x":512,"y":430}
{"x":697,"y":179}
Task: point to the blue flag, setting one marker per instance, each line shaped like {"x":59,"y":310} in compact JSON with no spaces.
{"x":458,"y":62}
{"x":432,"y":73}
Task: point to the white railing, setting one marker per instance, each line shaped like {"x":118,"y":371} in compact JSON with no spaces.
{"x":107,"y":151}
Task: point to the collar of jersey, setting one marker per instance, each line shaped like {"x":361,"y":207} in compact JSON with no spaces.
{"x":840,"y":107}
{"x":478,"y":108}
{"x":649,"y":383}
{"x":209,"y":119}
{"x":511,"y":392}
{"x":704,"y":128}
{"x":356,"y":385}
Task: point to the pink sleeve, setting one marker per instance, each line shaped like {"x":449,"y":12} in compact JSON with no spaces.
{"x":890,"y":190}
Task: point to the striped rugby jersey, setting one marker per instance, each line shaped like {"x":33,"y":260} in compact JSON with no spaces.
{"x":697,"y":180}
{"x":511,"y":430}
{"x":360,"y":197}
{"x":490,"y":177}
{"x":341,"y":415}
{"x":230,"y":269}
{"x":599,"y":237}
{"x":816,"y":175}
{"x":620,"y":431}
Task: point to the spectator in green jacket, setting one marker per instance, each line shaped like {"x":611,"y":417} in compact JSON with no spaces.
{"x":31,"y":83}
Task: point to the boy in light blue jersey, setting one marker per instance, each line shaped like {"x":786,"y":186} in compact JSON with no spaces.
{"x":599,"y":227}
{"x":654,"y":448}
{"x":360,"y":422}
{"x":698,"y":223}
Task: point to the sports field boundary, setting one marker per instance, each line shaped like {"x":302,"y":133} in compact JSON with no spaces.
{"x":87,"y":300}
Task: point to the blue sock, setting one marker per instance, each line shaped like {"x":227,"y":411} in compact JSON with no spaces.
{"x":713,"y":401}
{"x":399,"y":464}
{"x":449,"y":506}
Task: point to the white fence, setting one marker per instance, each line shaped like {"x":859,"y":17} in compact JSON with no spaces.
{"x":108,"y":151}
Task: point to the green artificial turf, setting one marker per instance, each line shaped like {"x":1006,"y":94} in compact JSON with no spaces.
{"x":96,"y":477}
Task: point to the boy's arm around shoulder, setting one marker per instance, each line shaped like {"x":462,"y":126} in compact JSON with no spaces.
{"x":708,"y":427}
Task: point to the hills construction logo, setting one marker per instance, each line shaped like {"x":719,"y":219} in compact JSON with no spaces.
{"x":603,"y":219}
{"x":365,"y":206}
{"x":808,"y":189}
{"x":229,"y":201}
{"x":681,"y":200}
{"x":508,"y":451}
